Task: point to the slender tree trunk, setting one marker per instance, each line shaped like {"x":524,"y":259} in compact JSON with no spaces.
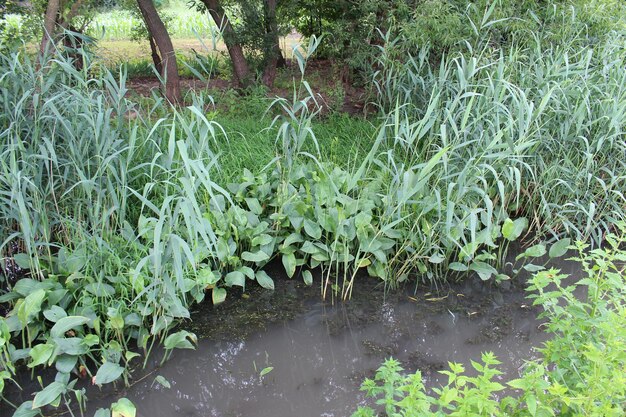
{"x":49,"y":26}
{"x":66,"y":21}
{"x":72,"y":45}
{"x":282,"y":62}
{"x":273,"y":52}
{"x":240,"y":66}
{"x":156,"y":58}
{"x":157,"y":30}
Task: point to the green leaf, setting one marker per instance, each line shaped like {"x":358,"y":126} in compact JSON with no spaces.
{"x":364,"y":262}
{"x":102,"y":412}
{"x":502,"y":277}
{"x":264,"y":280}
{"x":75,"y":261}
{"x":91,"y":340}
{"x":71,"y":346}
{"x":123,"y":408}
{"x":25,"y":286}
{"x":436,"y":258}
{"x":266,"y":371}
{"x":247,"y":271}
{"x":259,"y":256}
{"x":25,"y":410}
{"x":5,"y":333}
{"x":223,"y":250}
{"x":289,"y":262}
{"x":218,"y":295}
{"x":362,"y":220}
{"x":292,"y":238}
{"x":519,"y":383}
{"x":180,"y":340}
{"x":533,"y":267}
{"x":67,"y":323}
{"x":484,"y":270}
{"x":512,"y":230}
{"x":162,"y":381}
{"x":261,"y":240}
{"x":457,"y":266}
{"x":535,"y":251}
{"x":108,"y":373}
{"x":40,"y":354}
{"x":22,"y":260}
{"x":207,"y":277}
{"x":235,"y":278}
{"x":48,"y":395}
{"x":54,"y":314}
{"x":559,"y":248}
{"x":31,"y":306}
{"x":531,"y":403}
{"x":65,"y":363}
{"x":312,"y":229}
{"x":307,"y":277}
{"x":100,"y":289}
{"x":254,"y":206}
{"x":309,"y":247}
{"x":116,"y":322}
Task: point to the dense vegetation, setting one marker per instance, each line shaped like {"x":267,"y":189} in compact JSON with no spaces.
{"x":119,"y":213}
{"x":580,"y":372}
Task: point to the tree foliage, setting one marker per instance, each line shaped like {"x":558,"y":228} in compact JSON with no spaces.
{"x":355,"y":28}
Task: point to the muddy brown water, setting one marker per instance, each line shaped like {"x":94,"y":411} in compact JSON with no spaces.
{"x":319,"y":352}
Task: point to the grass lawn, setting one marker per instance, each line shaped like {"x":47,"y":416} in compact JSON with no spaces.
{"x":119,"y":51}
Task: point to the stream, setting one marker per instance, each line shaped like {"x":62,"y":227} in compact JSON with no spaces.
{"x":287,"y":353}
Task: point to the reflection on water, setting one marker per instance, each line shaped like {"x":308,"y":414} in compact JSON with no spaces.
{"x":320,"y":358}
{"x":322,"y":352}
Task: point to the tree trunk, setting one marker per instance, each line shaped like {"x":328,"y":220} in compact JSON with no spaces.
{"x":157,"y":30}
{"x":273,"y":52}
{"x":156,"y":58}
{"x":72,"y":45}
{"x":66,"y":21}
{"x":282,"y":62}
{"x":49,"y":26}
{"x":240,"y":66}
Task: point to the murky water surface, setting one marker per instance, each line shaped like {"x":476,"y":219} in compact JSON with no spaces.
{"x":320,"y":352}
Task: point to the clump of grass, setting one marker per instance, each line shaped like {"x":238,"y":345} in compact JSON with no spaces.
{"x":539,"y":126}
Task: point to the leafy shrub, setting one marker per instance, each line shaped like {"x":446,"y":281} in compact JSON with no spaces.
{"x":14,"y":31}
{"x":447,"y":26}
{"x":581,"y":367}
{"x":355,"y":29}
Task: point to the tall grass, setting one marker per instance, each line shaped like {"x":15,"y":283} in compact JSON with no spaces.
{"x":82,"y":185}
{"x":181,"y":22}
{"x":537,"y":129}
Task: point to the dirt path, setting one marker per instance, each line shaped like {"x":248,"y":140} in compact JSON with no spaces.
{"x":332,"y":93}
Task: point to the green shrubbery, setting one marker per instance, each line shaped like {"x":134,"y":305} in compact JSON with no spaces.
{"x":355,"y":29}
{"x":581,"y":370}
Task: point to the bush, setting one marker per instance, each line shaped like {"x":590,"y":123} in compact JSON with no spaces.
{"x":580,"y":373}
{"x":354,"y":29}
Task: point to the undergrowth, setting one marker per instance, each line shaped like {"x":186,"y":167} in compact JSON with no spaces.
{"x":581,"y":369}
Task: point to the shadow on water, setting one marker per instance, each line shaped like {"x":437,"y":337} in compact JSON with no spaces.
{"x":314,"y":355}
